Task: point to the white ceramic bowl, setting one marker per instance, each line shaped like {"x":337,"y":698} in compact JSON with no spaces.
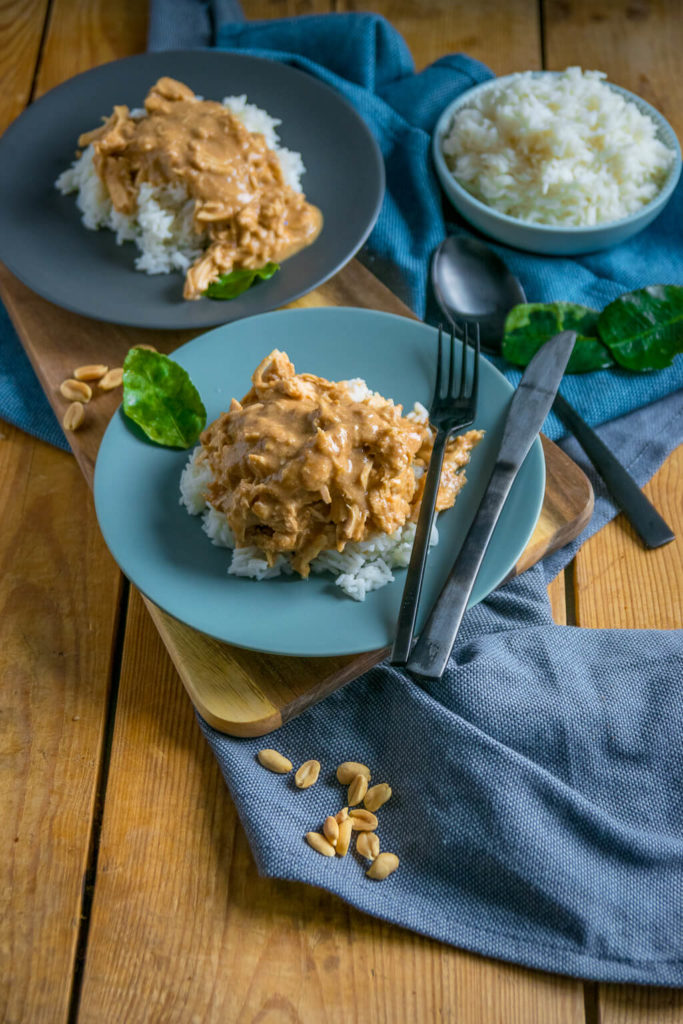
{"x":544,"y":238}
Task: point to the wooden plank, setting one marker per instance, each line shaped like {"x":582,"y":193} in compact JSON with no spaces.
{"x":183,"y":928}
{"x":21,"y":29}
{"x":506,"y":39}
{"x":617,"y":582}
{"x":59,"y":595}
{"x":54,"y":663}
{"x":58,"y":598}
{"x":85,"y":33}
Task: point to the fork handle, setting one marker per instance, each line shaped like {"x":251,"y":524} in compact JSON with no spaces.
{"x":410,"y":601}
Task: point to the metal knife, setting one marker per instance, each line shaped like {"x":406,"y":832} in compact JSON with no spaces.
{"x":528,"y":409}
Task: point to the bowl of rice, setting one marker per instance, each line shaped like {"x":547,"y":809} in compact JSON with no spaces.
{"x":558,"y":163}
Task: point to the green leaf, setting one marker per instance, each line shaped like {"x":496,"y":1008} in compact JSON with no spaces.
{"x":160,"y":397}
{"x":229,"y":286}
{"x":530,"y":325}
{"x":644,"y":329}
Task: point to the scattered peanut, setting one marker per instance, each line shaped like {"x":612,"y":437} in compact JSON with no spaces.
{"x":112,"y":379}
{"x":344,"y":837}
{"x":342,"y":815}
{"x":74,"y":416}
{"x":357,"y":790}
{"x":320,"y":844}
{"x":75,"y":390}
{"x":362,"y":821}
{"x":307,"y":774}
{"x":274,"y":761}
{"x":331,"y":830}
{"x":367,"y":844}
{"x":347,"y":771}
{"x":93,"y":371}
{"x":382,"y":866}
{"x":376,"y":796}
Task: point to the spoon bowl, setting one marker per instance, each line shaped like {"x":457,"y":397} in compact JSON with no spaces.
{"x":473,"y":285}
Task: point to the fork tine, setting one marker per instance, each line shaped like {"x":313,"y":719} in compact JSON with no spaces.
{"x":475,"y":373}
{"x":463,"y":369}
{"x":437,"y":382}
{"x":451,"y":362}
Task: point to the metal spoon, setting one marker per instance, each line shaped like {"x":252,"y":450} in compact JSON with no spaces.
{"x":471,"y":283}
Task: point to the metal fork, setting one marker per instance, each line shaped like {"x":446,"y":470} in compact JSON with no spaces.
{"x":447,"y":413}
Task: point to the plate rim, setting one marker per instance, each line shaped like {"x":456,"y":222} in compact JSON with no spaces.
{"x":378,"y":168}
{"x":536,"y":451}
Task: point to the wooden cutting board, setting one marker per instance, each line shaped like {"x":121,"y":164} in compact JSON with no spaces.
{"x":237,"y":691}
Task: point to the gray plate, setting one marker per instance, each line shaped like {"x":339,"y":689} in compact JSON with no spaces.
{"x":43,"y":242}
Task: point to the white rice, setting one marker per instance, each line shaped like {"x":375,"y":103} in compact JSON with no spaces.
{"x":361,"y":567}
{"x":162,"y":226}
{"x":557,"y":149}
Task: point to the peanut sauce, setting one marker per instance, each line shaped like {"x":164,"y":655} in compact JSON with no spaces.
{"x":242,"y":207}
{"x":300,"y":466}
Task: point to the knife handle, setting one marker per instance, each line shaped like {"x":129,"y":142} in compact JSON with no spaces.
{"x":433,"y":649}
{"x":418,"y":556}
{"x":641,"y":513}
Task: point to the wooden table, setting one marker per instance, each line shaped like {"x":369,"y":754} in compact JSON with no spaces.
{"x":128,"y":889}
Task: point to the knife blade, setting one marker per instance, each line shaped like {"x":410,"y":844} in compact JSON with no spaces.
{"x":528,"y":409}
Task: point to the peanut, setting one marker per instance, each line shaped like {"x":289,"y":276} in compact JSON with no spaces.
{"x":367,"y":844}
{"x":342,"y":815}
{"x":362,"y":821}
{"x":112,"y":379}
{"x":347,"y":771}
{"x":331,"y":830}
{"x":376,"y":796}
{"x":344,"y":838}
{"x":307,"y":774}
{"x":274,"y":761}
{"x":74,"y":416}
{"x":75,"y":390}
{"x":150,"y":348}
{"x":357,"y":789}
{"x":320,"y":844}
{"x":382,"y":866}
{"x":93,"y":371}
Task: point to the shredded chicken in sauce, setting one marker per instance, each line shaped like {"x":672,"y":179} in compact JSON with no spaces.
{"x":299,"y":466}
{"x":242,"y":206}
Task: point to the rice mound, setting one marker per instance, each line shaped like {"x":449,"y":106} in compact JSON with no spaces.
{"x":162,"y":226}
{"x":557,"y":149}
{"x":361,"y":567}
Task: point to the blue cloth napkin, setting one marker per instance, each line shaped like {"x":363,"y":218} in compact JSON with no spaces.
{"x":538,"y":793}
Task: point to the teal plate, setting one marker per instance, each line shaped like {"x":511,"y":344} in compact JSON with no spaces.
{"x":165,"y":553}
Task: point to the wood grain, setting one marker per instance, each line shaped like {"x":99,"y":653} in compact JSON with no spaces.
{"x":84,"y":33}
{"x":55,"y":666}
{"x":21,"y":28}
{"x":506,"y":40}
{"x":617,"y":582}
{"x":57,"y":640}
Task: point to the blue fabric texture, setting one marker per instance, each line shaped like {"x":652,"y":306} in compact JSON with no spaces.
{"x":538,"y":792}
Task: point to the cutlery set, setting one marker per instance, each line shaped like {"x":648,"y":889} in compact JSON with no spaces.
{"x":475,"y":291}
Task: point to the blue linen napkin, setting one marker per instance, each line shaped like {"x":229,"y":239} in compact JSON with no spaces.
{"x":538,"y":793}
